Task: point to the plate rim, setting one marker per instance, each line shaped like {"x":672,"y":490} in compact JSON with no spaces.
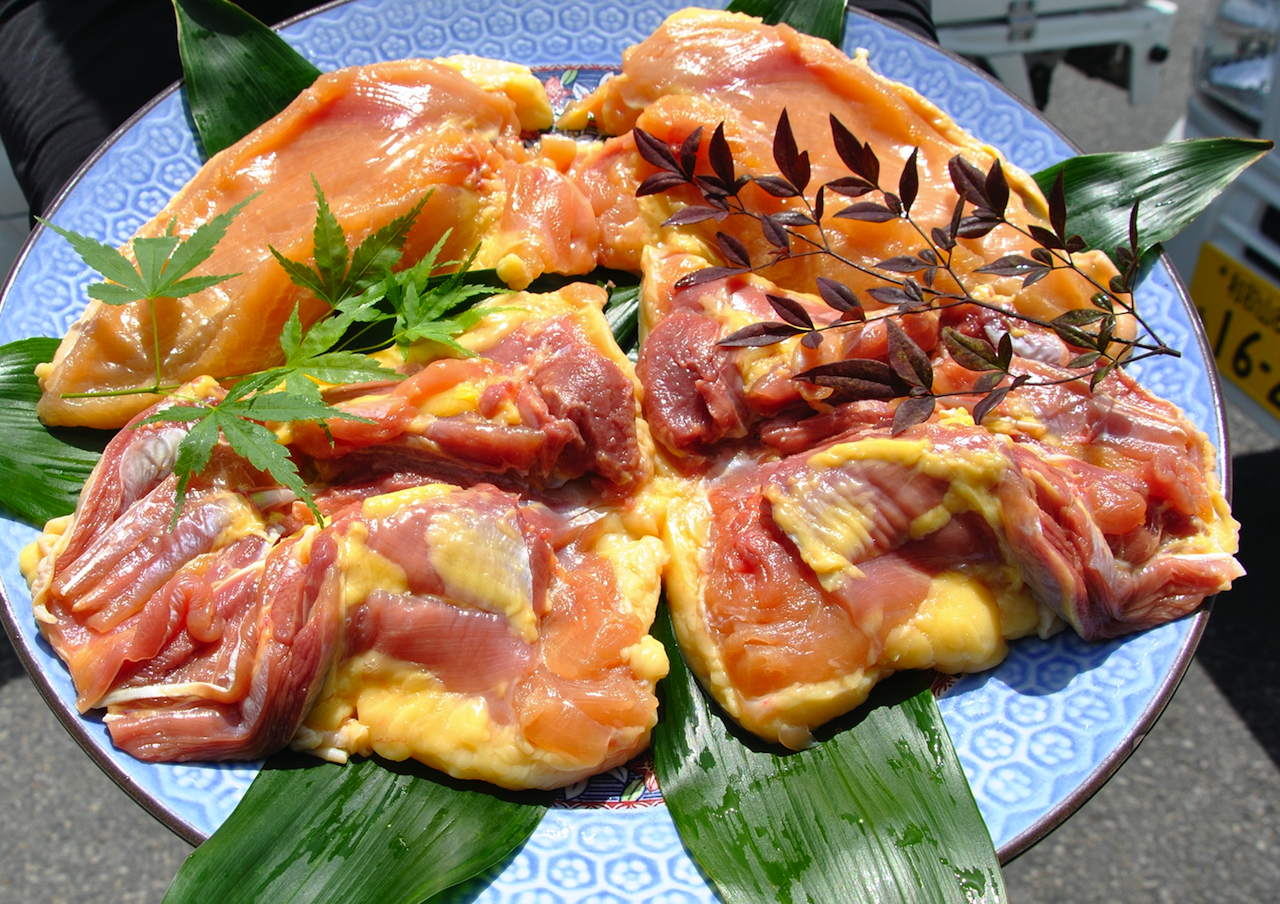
{"x":77,"y":725}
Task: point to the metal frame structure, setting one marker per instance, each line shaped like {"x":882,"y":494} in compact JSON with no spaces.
{"x":1004,"y":34}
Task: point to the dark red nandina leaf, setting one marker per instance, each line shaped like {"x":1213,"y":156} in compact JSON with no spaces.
{"x":655,"y":151}
{"x":733,"y":250}
{"x":694,"y":213}
{"x":859,"y":157}
{"x":908,"y":360}
{"x":777,"y":186}
{"x":1044,"y":238}
{"x":969,"y":181}
{"x":855,"y":379}
{"x":775,"y":234}
{"x":1005,"y":351}
{"x":659,"y":182}
{"x":970,"y":352}
{"x":793,"y":218}
{"x":721,"y":158}
{"x":792,"y":163}
{"x":912,"y":411}
{"x":996,"y":188}
{"x":689,"y":152}
{"x":757,"y":335}
{"x":978,"y":224}
{"x":1012,"y":265}
{"x":995,"y":397}
{"x":1088,"y":359}
{"x":706,"y":275}
{"x":988,"y":380}
{"x":839,"y":296}
{"x":989,"y":402}
{"x":1133,"y":230}
{"x":867,"y":211}
{"x":791,"y":311}
{"x":903,"y":263}
{"x":909,"y":181}
{"x":1080,"y":317}
{"x":957,"y":214}
{"x":906,"y":296}
{"x":850,"y":186}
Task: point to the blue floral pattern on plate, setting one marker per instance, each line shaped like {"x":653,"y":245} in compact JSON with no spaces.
{"x":1035,"y":735}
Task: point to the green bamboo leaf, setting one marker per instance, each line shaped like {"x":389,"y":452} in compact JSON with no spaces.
{"x":44,"y":468}
{"x":239,"y":73}
{"x":622,"y":310}
{"x":820,"y":18}
{"x":370,"y":832}
{"x":878,"y":810}
{"x":1175,"y":182}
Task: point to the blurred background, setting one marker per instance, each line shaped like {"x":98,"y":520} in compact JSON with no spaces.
{"x":1193,"y":816}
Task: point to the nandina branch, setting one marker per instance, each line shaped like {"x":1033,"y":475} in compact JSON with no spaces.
{"x":984,"y":195}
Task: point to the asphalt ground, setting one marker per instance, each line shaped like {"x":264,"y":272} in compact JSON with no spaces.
{"x":1193,"y":816}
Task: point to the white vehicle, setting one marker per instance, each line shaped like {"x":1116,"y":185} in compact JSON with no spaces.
{"x":1230,"y":256}
{"x":1020,"y":41}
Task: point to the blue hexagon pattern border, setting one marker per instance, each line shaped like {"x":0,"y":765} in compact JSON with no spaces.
{"x":1030,"y":734}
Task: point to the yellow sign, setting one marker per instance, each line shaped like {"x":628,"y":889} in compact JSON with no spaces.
{"x":1241,"y":314}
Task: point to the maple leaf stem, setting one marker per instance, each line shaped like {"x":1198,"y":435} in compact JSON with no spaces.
{"x":108,"y":393}
{"x":155,"y":340}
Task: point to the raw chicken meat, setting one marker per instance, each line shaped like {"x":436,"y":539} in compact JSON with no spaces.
{"x":496,"y":532}
{"x":376,"y":139}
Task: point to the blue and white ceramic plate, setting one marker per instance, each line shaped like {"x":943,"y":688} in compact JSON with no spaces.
{"x":1037,"y":736}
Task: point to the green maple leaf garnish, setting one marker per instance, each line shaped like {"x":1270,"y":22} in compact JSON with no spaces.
{"x":162,"y":263}
{"x":239,"y":418}
{"x":310,"y":360}
{"x":360,"y":287}
{"x":161,"y":269}
{"x":419,"y":306}
{"x":331,"y":278}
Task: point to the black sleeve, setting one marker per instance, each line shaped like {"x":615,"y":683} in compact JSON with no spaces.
{"x":71,"y":71}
